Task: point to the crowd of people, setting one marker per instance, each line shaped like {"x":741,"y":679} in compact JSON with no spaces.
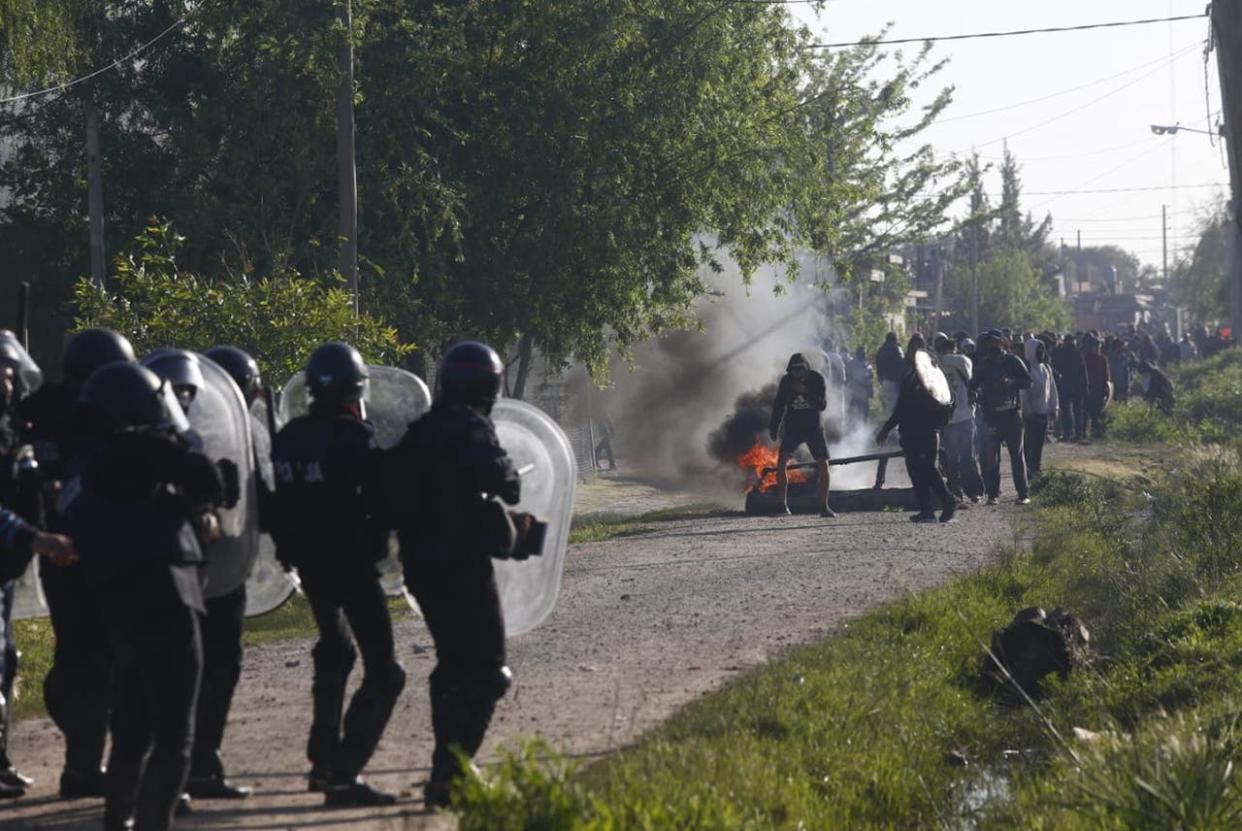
{"x":110,"y":481}
{"x":1007,"y":390}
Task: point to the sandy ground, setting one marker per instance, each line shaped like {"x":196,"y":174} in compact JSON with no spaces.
{"x":645,"y":624}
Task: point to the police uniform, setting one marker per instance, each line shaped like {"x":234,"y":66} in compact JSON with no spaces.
{"x":136,"y":513}
{"x":324,"y":525}
{"x":449,"y":533}
{"x":76,"y":690}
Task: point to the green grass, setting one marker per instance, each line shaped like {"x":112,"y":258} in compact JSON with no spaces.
{"x":869,"y":729}
{"x":35,"y":642}
{"x":602,"y":527}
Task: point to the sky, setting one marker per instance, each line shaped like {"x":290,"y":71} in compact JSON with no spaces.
{"x":1101,"y":89}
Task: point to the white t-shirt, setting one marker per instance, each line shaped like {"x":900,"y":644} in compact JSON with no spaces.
{"x":959,"y":370}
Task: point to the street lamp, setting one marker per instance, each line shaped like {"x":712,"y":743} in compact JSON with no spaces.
{"x":1167,"y":130}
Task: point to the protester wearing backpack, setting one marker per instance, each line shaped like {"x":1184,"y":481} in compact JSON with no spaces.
{"x":1000,"y":377}
{"x":924,"y":406}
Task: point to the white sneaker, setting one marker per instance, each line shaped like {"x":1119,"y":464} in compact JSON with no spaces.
{"x":1026,"y":500}
{"x":992,"y":500}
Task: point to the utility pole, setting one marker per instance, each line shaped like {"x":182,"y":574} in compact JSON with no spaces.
{"x":1227,"y":35}
{"x":1164,"y":244}
{"x":346,"y":169}
{"x":974,"y":280}
{"x":94,"y":198}
{"x":1078,"y":267}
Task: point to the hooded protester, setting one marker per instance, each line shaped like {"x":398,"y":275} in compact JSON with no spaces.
{"x":920,"y":416}
{"x":860,"y":380}
{"x":1099,"y":387}
{"x":800,"y":398}
{"x":1120,"y":363}
{"x":890,"y":368}
{"x":1071,"y":372}
{"x":1039,"y":405}
{"x":999,"y":379}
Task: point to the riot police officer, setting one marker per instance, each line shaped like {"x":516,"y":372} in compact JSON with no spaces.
{"x":449,"y":534}
{"x":140,"y":511}
{"x":221,"y":625}
{"x":77,"y":687}
{"x":325,"y":525}
{"x":18,"y":376}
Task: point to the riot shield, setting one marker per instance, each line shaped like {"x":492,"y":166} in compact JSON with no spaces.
{"x":220,"y":429}
{"x":27,"y":369}
{"x":932,"y":378}
{"x":269,"y":585}
{"x":393,"y":399}
{"x":543,"y":455}
{"x":28,"y":599}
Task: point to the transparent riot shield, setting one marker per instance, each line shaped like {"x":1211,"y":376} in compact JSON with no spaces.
{"x":393,"y":399}
{"x":220,"y":429}
{"x":269,"y":586}
{"x":543,"y":455}
{"x":28,"y":599}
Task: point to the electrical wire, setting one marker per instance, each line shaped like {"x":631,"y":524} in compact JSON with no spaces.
{"x":1169,"y":61}
{"x":1052,"y":95}
{"x":1010,"y":33}
{"x":100,"y":71}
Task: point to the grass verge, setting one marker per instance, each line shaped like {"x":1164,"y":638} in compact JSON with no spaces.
{"x":601,"y":527}
{"x":882,"y":727}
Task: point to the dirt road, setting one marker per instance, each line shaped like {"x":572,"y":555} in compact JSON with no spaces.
{"x":645,"y":624}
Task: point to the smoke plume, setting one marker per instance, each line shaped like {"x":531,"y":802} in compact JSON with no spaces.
{"x":694,"y":401}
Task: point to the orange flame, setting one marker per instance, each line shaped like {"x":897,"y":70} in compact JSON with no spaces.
{"x":760,"y":460}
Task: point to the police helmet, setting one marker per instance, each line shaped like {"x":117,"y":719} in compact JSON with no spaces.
{"x":92,"y":348}
{"x":336,"y":374}
{"x":471,"y":373}
{"x":243,"y":369}
{"x":126,"y":396}
{"x":181,"y":369}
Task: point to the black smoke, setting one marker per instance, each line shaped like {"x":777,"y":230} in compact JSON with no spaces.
{"x":748,"y":422}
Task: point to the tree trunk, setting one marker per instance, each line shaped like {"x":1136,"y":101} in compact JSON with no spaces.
{"x":94,"y":178}
{"x":346,"y":170}
{"x":526,"y":349}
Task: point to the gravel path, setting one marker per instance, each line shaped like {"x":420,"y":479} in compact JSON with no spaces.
{"x":645,"y":624}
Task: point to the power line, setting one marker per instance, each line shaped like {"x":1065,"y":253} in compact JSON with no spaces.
{"x":1165,"y":62}
{"x":1010,"y":33}
{"x":100,"y":71}
{"x":1126,"y":190}
{"x":1052,"y":95}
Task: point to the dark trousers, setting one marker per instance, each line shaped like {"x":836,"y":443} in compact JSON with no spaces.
{"x":1073,"y":418}
{"x":1034,"y":439}
{"x":461,"y":606}
{"x":8,"y":669}
{"x":1004,"y":428}
{"x":922,"y":452}
{"x":1094,"y":422}
{"x":961,"y":461}
{"x":604,"y":448}
{"x":222,"y":663}
{"x":342,"y":741}
{"x":78,"y":687}
{"x":158,"y":661}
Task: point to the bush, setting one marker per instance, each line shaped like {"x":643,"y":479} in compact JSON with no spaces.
{"x":279,"y":319}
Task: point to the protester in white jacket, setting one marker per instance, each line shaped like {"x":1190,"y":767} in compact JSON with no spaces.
{"x":1039,"y":404}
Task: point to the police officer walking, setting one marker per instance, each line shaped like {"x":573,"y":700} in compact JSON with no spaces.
{"x":140,"y":512}
{"x":326,"y":525}
{"x":449,"y":533}
{"x":77,"y":688}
